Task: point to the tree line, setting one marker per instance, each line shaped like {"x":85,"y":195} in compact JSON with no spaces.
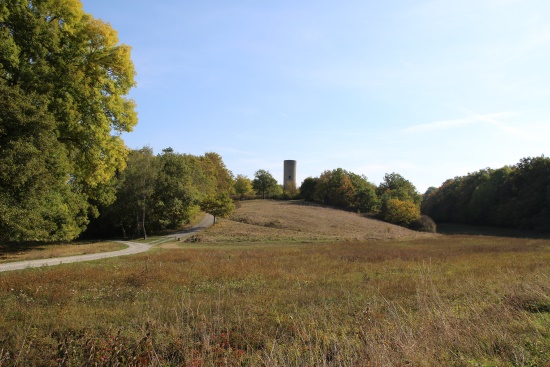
{"x":515,"y":196}
{"x":164,"y":191}
{"x":395,"y":200}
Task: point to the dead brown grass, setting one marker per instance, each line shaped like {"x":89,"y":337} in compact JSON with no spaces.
{"x":266,"y":220}
{"x":23,"y":252}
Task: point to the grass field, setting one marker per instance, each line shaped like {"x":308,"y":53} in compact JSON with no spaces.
{"x":408,"y":301}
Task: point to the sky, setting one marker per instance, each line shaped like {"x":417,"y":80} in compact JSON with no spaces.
{"x":429,"y":89}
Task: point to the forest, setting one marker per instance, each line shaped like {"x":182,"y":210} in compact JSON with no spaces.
{"x":515,"y":196}
{"x":160,"y":192}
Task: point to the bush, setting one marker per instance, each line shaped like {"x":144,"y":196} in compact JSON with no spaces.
{"x":424,"y":224}
{"x":400,"y":212}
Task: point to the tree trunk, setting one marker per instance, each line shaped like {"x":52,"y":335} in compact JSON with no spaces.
{"x":143,"y":220}
{"x":138,"y":225}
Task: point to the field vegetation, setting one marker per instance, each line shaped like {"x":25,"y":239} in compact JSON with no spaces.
{"x":269,"y":220}
{"x":454,"y":300}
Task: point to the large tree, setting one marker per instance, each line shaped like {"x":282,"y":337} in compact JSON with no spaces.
{"x":63,"y":81}
{"x":264,"y":183}
{"x":399,"y":200}
{"x":243,"y":187}
{"x":219,"y":206}
{"x":396,"y":186}
{"x":307,"y":189}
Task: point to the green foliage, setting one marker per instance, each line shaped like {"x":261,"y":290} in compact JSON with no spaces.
{"x":220,"y":206}
{"x":243,"y":187}
{"x":428,"y":192}
{"x":366,"y":200}
{"x":344,"y":189}
{"x":136,"y":190}
{"x":63,"y":81}
{"x":221,"y":178}
{"x":174,"y":196}
{"x":290,"y":192}
{"x":351,"y":191}
{"x":161,"y":192}
{"x":335,"y":188}
{"x":37,"y":202}
{"x":400,"y":212}
{"x":307,"y":189}
{"x":399,"y":200}
{"x":277,"y":192}
{"x":265,"y":184}
{"x":516,"y":196}
{"x":424,"y":224}
{"x":396,"y":186}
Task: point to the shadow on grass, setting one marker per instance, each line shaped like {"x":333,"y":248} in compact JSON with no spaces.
{"x":16,"y":248}
{"x":465,"y":229}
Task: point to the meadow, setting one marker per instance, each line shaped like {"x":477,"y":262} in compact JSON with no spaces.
{"x":297,"y":300}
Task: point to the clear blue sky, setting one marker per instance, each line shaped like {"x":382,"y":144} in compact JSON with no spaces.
{"x":427,"y":89}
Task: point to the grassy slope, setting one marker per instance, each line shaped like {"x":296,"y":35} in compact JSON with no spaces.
{"x":266,"y":220}
{"x":438,"y":300}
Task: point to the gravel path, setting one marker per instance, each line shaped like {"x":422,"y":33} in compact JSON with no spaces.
{"x":133,"y":248}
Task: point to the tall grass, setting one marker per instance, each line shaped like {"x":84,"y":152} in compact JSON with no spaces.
{"x":456,"y":301}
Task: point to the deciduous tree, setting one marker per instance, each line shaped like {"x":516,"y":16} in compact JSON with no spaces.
{"x":400,"y":212}
{"x":307,"y":189}
{"x":243,"y":187}
{"x":396,"y":186}
{"x":220,"y":206}
{"x":65,"y":76}
{"x":264,"y":183}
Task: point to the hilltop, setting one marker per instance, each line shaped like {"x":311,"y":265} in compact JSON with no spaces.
{"x":268,"y":220}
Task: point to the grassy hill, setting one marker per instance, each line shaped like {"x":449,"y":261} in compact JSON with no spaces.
{"x":294,"y":221}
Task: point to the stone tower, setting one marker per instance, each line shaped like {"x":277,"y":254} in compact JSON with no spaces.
{"x":289,"y":181}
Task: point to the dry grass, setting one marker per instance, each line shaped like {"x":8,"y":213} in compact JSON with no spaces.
{"x":35,"y":251}
{"x":454,"y":301}
{"x":266,"y":220}
{"x":431,"y":301}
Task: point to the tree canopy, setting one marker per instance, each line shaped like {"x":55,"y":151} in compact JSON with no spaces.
{"x":512,"y":196}
{"x":264,"y":183}
{"x":243,"y":187}
{"x":341,"y":188}
{"x":64,"y":78}
{"x":219,"y":206}
{"x":164,"y":191}
{"x":395,"y":200}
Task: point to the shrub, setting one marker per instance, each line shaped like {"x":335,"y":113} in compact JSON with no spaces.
{"x":424,"y":224}
{"x":400,"y":212}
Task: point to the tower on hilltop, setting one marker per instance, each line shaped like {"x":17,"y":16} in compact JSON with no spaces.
{"x":289,"y":181}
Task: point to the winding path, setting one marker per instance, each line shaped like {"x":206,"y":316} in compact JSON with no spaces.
{"x":133,"y":248}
